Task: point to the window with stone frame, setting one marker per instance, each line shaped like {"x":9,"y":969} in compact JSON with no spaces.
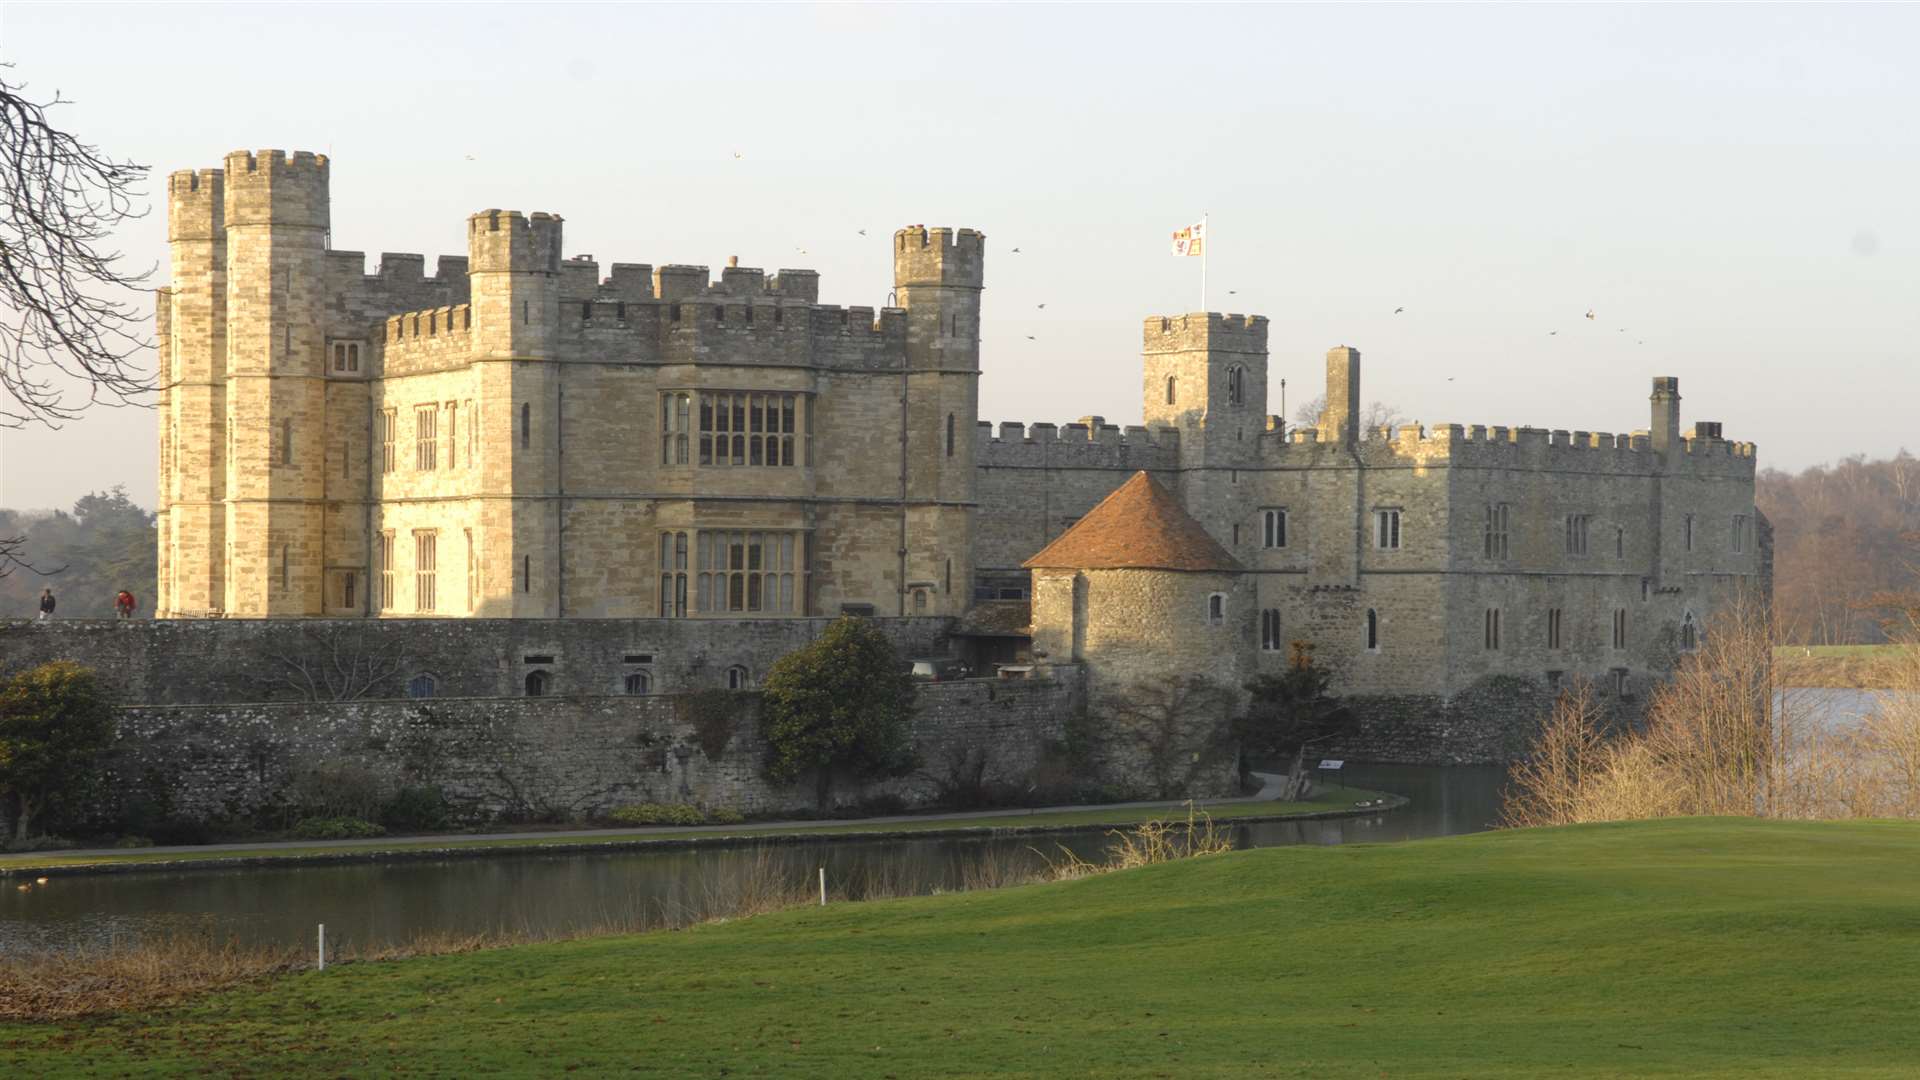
{"x":1577,"y":530}
{"x":675,"y":412}
{"x":757,"y":430}
{"x":426,"y":560}
{"x":1236,"y":385}
{"x":748,"y":571}
{"x":673,"y":575}
{"x":426,"y":437}
{"x":1619,"y":628}
{"x":473,"y":577}
{"x":1689,"y":633}
{"x":1216,"y":608}
{"x":1273,"y":527}
{"x":1554,"y":618}
{"x":1492,"y":635}
{"x":1689,"y":532}
{"x":1498,"y":545}
{"x":389,"y":432}
{"x":385,"y":556}
{"x":1270,"y":631}
{"x":422,"y":686}
{"x":636,"y":683}
{"x":739,"y":678}
{"x":346,"y":357}
{"x":1373,"y":630}
{"x":1740,"y":527}
{"x":452,"y":433}
{"x":1386,"y":529}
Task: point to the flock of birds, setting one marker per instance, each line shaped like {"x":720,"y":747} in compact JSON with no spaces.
{"x":1592,"y":315}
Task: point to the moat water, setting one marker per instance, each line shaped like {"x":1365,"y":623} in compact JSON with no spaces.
{"x":372,"y":904}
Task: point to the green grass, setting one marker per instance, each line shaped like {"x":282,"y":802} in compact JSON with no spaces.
{"x":1327,"y":800}
{"x":1682,"y":948}
{"x":1861,"y":667}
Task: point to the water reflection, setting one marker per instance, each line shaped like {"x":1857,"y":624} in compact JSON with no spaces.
{"x":374,"y":904}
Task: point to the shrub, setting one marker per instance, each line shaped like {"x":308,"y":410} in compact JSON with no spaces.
{"x":725,"y":815}
{"x":338,"y":789}
{"x":415,"y":809}
{"x":337,"y":828}
{"x":658,"y":814}
{"x":838,"y":707}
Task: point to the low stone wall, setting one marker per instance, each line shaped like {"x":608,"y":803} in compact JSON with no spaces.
{"x":551,"y":757}
{"x":213,"y":661}
{"x":1492,"y":722}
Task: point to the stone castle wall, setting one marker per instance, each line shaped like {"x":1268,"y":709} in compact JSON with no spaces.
{"x":560,"y":758}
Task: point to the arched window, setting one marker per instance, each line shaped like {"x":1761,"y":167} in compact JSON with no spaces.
{"x":539,"y":683}
{"x":1216,"y":608}
{"x":1373,"y":631}
{"x":637,"y":682}
{"x":949,"y":434}
{"x":738,"y":678}
{"x":1172,"y":388}
{"x":422,"y":686}
{"x":1689,"y":635}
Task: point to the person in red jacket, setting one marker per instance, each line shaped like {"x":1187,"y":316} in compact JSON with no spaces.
{"x":124,"y":604}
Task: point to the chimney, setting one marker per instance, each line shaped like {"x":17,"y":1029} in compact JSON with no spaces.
{"x":1341,"y":420}
{"x":733,"y":261}
{"x":1666,"y":413}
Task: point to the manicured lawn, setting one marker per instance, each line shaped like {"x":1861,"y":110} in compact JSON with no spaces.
{"x":1326,"y":800}
{"x":1864,"y":667}
{"x":1686,"y":948}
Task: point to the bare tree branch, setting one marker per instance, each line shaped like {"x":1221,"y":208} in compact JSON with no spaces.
{"x":63,"y":318}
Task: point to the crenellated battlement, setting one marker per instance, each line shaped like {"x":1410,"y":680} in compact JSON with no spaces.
{"x":273,"y":187}
{"x":510,"y":241}
{"x":938,"y":257}
{"x":428,"y":340}
{"x":1089,"y":443}
{"x":196,"y":204}
{"x":1204,"y":330}
{"x":1523,"y":447}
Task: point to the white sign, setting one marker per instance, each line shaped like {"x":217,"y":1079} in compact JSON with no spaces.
{"x":1331,"y":763}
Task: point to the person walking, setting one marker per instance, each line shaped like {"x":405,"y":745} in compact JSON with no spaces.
{"x":46,"y":604}
{"x":124,"y":604}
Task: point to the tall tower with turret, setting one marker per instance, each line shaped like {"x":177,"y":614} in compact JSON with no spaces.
{"x":938,"y":275}
{"x":513,"y":270}
{"x":191,"y":511}
{"x":1206,"y":374}
{"x":276,"y":211}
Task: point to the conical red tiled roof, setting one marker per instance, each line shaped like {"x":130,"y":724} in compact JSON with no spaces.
{"x":1141,"y":526}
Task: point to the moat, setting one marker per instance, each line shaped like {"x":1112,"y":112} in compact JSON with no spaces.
{"x":372,"y":903}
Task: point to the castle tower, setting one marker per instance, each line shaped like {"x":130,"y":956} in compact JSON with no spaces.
{"x":938,"y":275}
{"x":513,"y":270}
{"x":276,"y":210}
{"x":1206,"y":374}
{"x":192,"y":316}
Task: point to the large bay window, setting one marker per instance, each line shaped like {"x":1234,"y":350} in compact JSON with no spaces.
{"x":736,"y":428}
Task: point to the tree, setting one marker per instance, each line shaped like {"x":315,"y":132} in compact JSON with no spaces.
{"x":1292,"y":712}
{"x":55,"y":723}
{"x":1179,"y":728}
{"x":107,"y":543}
{"x":68,"y":317}
{"x":1376,"y":415}
{"x":838,"y":707}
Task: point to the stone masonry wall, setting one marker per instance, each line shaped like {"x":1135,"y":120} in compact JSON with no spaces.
{"x":558,"y":757}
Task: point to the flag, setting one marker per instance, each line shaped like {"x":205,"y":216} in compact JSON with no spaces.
{"x":1191,"y":240}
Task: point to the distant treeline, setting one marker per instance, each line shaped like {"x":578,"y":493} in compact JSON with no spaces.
{"x":1846,"y":548}
{"x":106,"y":544}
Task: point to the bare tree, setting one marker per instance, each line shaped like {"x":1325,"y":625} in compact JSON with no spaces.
{"x":333,"y":663}
{"x":67,"y":318}
{"x":1176,"y":729}
{"x":13,"y":558}
{"x":1376,"y":415}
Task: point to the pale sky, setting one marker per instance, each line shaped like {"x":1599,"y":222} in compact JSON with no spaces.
{"x":1732,"y":185}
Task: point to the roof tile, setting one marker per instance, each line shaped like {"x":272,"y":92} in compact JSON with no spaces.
{"x":1141,"y":526}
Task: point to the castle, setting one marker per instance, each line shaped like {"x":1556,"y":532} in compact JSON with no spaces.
{"x":521,"y":436}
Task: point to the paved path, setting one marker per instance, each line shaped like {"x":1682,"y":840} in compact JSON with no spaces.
{"x":1270,"y":786}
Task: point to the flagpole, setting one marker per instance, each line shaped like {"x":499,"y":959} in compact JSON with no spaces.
{"x":1206,"y":248}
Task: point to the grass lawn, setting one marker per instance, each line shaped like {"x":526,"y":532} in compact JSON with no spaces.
{"x":1683,"y":948}
{"x":1330,"y":799}
{"x":1864,"y":667}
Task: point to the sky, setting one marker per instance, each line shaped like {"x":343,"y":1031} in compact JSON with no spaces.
{"x":1730,"y":189}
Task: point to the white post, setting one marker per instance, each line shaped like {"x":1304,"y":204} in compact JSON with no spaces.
{"x":321,"y":965}
{"x":823,"y":886}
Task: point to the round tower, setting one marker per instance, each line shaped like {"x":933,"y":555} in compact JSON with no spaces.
{"x":938,"y":277}
{"x":276,"y":215}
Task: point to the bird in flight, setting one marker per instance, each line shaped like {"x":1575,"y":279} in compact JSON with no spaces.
{"x":737,"y":155}
{"x":1589,"y":313}
{"x":1233,"y":292}
{"x":1552,"y":333}
{"x":469,"y":157}
{"x":1043,"y":307}
{"x":1398,"y":310}
{"x":1016,"y":251}
{"x":1030,"y":337}
{"x":863,"y":232}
